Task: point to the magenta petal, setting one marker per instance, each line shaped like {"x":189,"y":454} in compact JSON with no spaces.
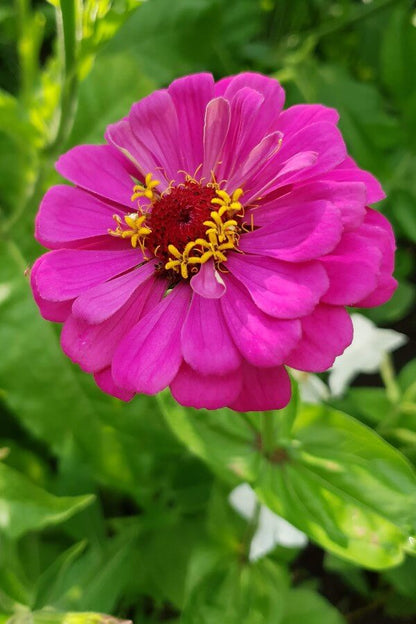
{"x":217,"y":122}
{"x":327,"y":332}
{"x":347,"y":197}
{"x":190,"y":96}
{"x":261,"y":339}
{"x":322,"y":138}
{"x":263,"y":389}
{"x":155,"y":125}
{"x":243,"y":134}
{"x":105,"y":382}
{"x":69,"y":214}
{"x":352,"y":269}
{"x":66,"y":273}
{"x":297,"y":117}
{"x":206,"y":342}
{"x":348,"y":171}
{"x":378,"y":230}
{"x":100,"y":302}
{"x":208,"y":282}
{"x":120,"y":135}
{"x":93,"y":346}
{"x":99,"y":169}
{"x":278,"y":288}
{"x":298,"y":233}
{"x":257,"y":159}
{"x":192,"y":389}
{"x":56,"y":311}
{"x":150,"y":355}
{"x":269,"y":88}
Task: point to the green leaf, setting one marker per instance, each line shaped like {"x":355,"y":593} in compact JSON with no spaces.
{"x":60,"y":404}
{"x":335,"y":479}
{"x":345,"y":487}
{"x":220,"y":438}
{"x":234,"y":593}
{"x":25,"y":507}
{"x":306,"y":606}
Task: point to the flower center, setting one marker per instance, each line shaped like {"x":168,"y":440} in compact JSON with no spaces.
{"x":185,"y":226}
{"x":177,"y":218}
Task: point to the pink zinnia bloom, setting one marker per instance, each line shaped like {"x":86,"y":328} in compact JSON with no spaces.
{"x":213,"y":240}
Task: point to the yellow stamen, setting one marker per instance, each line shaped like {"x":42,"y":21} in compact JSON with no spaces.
{"x":146,"y":189}
{"x":137,"y":231}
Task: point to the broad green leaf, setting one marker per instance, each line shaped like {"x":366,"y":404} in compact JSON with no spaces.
{"x":50,"y":585}
{"x":335,"y":479}
{"x":96,"y":579}
{"x":56,"y":617}
{"x":26,"y":507}
{"x":234,"y":593}
{"x":305,"y":606}
{"x":221,"y":438}
{"x":60,"y":404}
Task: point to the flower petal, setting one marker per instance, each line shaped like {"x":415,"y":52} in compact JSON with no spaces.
{"x":348,"y":197}
{"x":56,"y":311}
{"x":66,"y":273}
{"x":348,"y":171}
{"x":100,"y":302}
{"x":217,"y":122}
{"x":149,"y":356}
{"x":298,"y":233}
{"x":190,"y":96}
{"x":352,"y":268}
{"x":263,"y":389}
{"x":278,"y":288}
{"x":105,"y":382}
{"x":208,"y":282}
{"x":378,"y":230}
{"x":154,"y":123}
{"x":269,"y":88}
{"x":100,"y":169}
{"x":192,"y":389}
{"x":297,"y":117}
{"x":68,"y":214}
{"x":261,"y":339}
{"x":327,"y":332}
{"x":322,"y":138}
{"x":206,"y":342}
{"x":93,"y":346}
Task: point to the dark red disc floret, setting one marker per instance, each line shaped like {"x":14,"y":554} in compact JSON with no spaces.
{"x":178,"y":218}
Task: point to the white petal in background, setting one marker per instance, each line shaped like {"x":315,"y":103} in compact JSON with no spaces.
{"x":272,"y":530}
{"x":365,"y":354}
{"x":312,"y":389}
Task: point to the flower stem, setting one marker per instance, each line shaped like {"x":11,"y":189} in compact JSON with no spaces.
{"x":388,"y":376}
{"x":268,"y":434}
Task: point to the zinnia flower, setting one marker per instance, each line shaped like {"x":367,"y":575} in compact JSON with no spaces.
{"x":213,"y":240}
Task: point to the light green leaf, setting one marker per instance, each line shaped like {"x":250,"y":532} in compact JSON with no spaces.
{"x":306,"y":606}
{"x":334,"y":478}
{"x":25,"y":507}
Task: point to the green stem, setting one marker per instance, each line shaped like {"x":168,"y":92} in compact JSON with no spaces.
{"x":388,"y":376}
{"x":67,"y":34}
{"x":268,"y":434}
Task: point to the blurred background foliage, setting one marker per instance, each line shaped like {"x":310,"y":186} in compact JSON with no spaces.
{"x":122,"y":508}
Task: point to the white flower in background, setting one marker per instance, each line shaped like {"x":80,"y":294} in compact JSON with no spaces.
{"x":311,"y":388}
{"x":365,"y":354}
{"x":271,"y":528}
